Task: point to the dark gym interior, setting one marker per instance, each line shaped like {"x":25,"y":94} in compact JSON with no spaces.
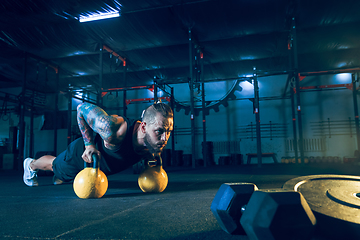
{"x":263,"y":92}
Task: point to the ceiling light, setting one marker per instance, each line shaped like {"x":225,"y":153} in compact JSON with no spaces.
{"x":99,"y":16}
{"x":343,"y":77}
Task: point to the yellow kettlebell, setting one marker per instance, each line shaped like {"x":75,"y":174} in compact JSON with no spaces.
{"x":153,"y":179}
{"x":90,"y":182}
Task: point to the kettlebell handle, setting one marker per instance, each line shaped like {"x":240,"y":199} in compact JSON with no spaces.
{"x":160,"y":162}
{"x":95,"y":159}
{"x":156,"y":162}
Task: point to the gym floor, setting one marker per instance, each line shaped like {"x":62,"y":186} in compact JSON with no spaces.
{"x":182,"y":211}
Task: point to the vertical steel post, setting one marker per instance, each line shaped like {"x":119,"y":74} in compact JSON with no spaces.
{"x":124,"y":92}
{"x":31,"y":147}
{"x":354,"y":79}
{"x":257,"y":118}
{"x":301,"y":148}
{"x":292,"y":95}
{"x":69,"y":117}
{"x":32,"y":108}
{"x":21,"y":145}
{"x":99,"y":97}
{"x":173,"y":133}
{"x":295,"y":145}
{"x":203,"y":109}
{"x":297,"y":87}
{"x":155,"y":92}
{"x":192,"y":115}
{"x":56,"y":111}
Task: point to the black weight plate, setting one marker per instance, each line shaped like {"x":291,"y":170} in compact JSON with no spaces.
{"x":334,"y":200}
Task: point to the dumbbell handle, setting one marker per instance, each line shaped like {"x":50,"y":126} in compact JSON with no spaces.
{"x":243,"y":209}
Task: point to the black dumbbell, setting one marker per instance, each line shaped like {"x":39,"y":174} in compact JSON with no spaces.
{"x":227,"y":204}
{"x":266,"y":214}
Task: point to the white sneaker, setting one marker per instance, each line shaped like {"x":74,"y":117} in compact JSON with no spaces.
{"x":29,"y":174}
{"x":57,"y":181}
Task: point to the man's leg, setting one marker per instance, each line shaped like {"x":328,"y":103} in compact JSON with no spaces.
{"x":31,"y":167}
{"x":65,"y":166}
{"x":43,"y":163}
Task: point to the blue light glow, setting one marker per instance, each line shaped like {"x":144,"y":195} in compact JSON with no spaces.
{"x":99,"y":16}
{"x":76,"y":53}
{"x":341,"y":64}
{"x":79,"y":94}
{"x":247,"y":86}
{"x":343,"y":77}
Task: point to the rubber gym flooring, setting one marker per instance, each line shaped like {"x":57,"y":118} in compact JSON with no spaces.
{"x":182,"y":211}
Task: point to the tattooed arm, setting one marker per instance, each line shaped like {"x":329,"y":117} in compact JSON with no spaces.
{"x":92,"y":118}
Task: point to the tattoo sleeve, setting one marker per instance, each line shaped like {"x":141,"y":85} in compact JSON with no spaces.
{"x":92,"y":118}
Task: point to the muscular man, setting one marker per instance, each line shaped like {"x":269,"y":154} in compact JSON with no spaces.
{"x":119,"y":142}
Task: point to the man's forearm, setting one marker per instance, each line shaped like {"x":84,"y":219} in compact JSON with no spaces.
{"x":92,"y":118}
{"x":85,"y":119}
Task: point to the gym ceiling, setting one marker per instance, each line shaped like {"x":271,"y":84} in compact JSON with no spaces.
{"x":39,"y":38}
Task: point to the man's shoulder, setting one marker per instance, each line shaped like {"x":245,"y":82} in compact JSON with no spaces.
{"x":128,"y":125}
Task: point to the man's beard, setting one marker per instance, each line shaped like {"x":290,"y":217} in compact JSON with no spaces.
{"x":153,"y":148}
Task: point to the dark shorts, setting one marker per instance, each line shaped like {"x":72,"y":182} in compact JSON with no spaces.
{"x":68,"y":163}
